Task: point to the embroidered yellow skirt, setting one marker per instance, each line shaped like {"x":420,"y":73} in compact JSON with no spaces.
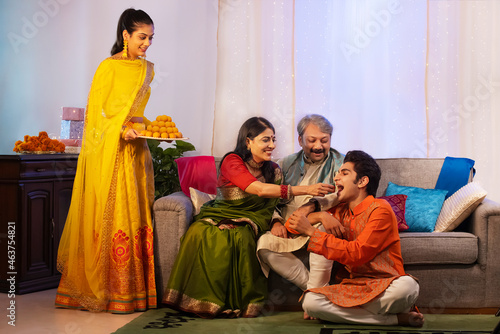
{"x":108,"y":265}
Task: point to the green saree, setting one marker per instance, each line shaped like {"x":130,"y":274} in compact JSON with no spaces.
{"x":217,"y":271}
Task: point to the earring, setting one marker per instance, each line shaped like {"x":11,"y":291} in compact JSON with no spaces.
{"x":125,"y":46}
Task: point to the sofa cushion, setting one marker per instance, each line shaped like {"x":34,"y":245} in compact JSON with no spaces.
{"x":455,"y":173}
{"x":439,"y":248}
{"x":398,"y":203}
{"x":422,"y":206}
{"x":197,"y":172}
{"x":198,"y":198}
{"x":459,"y":206}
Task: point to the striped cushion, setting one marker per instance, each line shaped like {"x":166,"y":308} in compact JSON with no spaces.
{"x":459,"y":206}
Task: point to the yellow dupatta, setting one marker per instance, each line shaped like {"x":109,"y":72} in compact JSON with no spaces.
{"x":120,"y":90}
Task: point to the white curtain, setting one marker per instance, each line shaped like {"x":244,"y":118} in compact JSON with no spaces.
{"x":389,"y":75}
{"x":254,"y":70}
{"x":360,"y":64}
{"x":349,"y":61}
{"x":463,"y":85}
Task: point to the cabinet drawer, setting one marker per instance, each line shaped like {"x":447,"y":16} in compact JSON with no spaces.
{"x":66,"y":168}
{"x":37,"y":169}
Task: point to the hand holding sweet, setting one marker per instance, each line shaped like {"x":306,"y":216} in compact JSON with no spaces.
{"x":321,"y":189}
{"x":130,"y":134}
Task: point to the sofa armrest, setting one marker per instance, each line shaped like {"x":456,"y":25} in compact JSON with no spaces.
{"x":177,"y":204}
{"x":485,"y":224}
{"x":172,"y":216}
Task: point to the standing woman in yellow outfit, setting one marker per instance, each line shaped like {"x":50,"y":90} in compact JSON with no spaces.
{"x":106,"y":250}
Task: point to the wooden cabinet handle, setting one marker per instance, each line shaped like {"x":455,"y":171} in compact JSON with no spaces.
{"x":53,"y":228}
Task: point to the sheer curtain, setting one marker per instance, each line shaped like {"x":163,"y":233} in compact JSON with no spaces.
{"x":464,"y":85}
{"x":361,"y":64}
{"x":254,"y":70}
{"x":396,"y":78}
{"x":352,"y":62}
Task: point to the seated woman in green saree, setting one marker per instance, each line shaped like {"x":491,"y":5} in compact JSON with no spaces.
{"x":216,"y":271}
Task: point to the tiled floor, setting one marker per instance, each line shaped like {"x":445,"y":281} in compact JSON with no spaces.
{"x":35,"y":313}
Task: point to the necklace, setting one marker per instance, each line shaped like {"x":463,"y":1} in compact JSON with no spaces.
{"x":252,"y":163}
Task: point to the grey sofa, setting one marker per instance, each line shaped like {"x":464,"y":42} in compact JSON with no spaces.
{"x":456,"y":270}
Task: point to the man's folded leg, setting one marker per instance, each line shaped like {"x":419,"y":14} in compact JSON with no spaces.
{"x":399,"y":297}
{"x":318,"y":306}
{"x":320,"y":269}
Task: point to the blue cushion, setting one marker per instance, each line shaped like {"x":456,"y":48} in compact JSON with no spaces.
{"x":422,"y":206}
{"x":454,"y":174}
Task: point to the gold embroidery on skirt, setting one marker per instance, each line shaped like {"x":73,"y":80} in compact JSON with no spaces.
{"x":189,"y":304}
{"x":253,"y":310}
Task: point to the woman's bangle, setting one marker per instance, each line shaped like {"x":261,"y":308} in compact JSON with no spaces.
{"x":286,"y":191}
{"x":124,"y":131}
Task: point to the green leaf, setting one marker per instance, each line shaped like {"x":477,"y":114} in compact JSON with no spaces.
{"x":164,"y":166}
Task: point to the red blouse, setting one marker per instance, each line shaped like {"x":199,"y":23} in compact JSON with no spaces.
{"x":234,"y":172}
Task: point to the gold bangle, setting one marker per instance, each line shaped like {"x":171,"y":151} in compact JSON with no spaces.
{"x":124,"y":131}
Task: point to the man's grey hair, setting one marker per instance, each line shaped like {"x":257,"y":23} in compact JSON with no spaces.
{"x":321,"y":122}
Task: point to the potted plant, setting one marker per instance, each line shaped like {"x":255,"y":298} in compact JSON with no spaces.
{"x":165,"y":168}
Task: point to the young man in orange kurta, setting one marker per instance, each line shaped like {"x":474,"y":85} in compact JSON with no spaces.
{"x":377,"y":290}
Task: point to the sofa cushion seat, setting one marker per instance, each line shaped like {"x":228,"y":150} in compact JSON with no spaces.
{"x":439,"y":248}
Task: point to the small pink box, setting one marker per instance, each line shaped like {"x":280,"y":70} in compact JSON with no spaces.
{"x":73,"y":114}
{"x":71,"y":142}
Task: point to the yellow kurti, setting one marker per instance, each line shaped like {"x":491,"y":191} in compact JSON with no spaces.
{"x":106,"y":250}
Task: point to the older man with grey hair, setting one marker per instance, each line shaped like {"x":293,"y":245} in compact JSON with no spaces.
{"x":315,"y":162}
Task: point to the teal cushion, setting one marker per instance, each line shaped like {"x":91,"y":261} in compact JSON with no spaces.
{"x":422,"y":206}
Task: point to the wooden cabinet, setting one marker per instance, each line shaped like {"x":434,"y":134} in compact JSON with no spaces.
{"x":35,"y":194}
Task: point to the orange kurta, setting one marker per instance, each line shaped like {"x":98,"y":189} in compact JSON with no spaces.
{"x":371,"y":254}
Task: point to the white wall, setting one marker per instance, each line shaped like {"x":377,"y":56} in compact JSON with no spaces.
{"x":51,"y":49}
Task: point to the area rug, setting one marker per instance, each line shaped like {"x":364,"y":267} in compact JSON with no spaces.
{"x":165,"y":319}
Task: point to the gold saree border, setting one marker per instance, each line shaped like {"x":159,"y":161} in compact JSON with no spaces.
{"x":187,"y":304}
{"x":206,"y":309}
